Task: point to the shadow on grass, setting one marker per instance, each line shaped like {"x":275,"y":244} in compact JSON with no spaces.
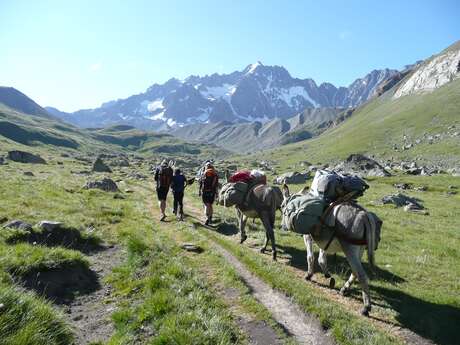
{"x":61,"y":284}
{"x":337,"y":265}
{"x":58,"y":237}
{"x":438,"y":322}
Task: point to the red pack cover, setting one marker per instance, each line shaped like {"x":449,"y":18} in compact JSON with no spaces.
{"x":241,"y":176}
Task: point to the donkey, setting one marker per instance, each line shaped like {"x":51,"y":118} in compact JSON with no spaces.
{"x":262,"y":201}
{"x":349,"y":229}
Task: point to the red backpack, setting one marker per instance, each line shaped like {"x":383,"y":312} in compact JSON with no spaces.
{"x":210,"y":180}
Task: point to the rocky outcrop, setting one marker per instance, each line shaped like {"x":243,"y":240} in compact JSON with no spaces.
{"x":18,"y":224}
{"x":292,"y":178}
{"x":106,"y":184}
{"x":360,"y":165}
{"x":100,"y":166}
{"x":25,"y":157}
{"x":432,"y":74}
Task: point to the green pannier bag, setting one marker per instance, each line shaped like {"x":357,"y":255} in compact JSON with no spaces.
{"x":234,"y":193}
{"x":302,"y":212}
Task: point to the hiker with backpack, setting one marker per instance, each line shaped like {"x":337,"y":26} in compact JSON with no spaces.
{"x":178,"y":184}
{"x":163,"y":178}
{"x":208,"y":189}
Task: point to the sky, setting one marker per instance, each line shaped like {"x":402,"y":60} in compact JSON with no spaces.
{"x":78,"y":54}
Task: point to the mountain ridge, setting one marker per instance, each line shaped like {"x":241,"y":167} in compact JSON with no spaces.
{"x":256,"y":93}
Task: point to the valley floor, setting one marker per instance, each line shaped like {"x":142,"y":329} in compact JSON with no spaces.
{"x":138,"y":285}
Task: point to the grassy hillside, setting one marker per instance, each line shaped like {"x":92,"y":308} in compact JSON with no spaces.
{"x":430,"y":122}
{"x":21,"y":130}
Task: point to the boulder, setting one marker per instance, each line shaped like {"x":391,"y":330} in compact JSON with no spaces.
{"x":100,"y":166}
{"x":402,"y":185}
{"x":25,"y":157}
{"x":292,"y":178}
{"x":49,"y":225}
{"x":18,"y":224}
{"x":106,"y":184}
{"x":360,"y":165}
{"x":401,"y":200}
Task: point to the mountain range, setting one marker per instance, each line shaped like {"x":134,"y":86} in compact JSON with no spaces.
{"x":257,"y":93}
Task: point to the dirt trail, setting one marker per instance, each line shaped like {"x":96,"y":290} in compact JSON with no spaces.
{"x":303,"y":327}
{"x":89,"y":314}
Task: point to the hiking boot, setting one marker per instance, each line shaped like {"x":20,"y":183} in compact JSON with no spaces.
{"x":162,"y":218}
{"x":181,"y":217}
{"x":206,"y":222}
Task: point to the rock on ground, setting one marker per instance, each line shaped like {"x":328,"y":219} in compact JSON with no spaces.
{"x":292,"y":178}
{"x":106,"y":184}
{"x":18,"y":224}
{"x":358,"y":164}
{"x":100,"y":166}
{"x":25,"y":157}
{"x":49,"y":225}
{"x":401,"y":200}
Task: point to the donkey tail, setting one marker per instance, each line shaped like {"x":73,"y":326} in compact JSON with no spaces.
{"x":370,"y":236}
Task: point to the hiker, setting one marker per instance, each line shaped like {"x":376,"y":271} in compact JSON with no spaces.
{"x":178,"y":184}
{"x":208,"y":188}
{"x":163,"y":178}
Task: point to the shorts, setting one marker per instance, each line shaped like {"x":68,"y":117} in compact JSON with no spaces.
{"x":162,"y":193}
{"x":208,"y":197}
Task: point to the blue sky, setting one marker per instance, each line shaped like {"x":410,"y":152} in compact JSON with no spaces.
{"x":78,"y":54}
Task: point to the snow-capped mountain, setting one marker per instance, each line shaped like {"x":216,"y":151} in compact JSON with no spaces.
{"x":257,"y":93}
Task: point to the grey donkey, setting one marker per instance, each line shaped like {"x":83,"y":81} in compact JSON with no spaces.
{"x":350,"y":229}
{"x":262,"y":201}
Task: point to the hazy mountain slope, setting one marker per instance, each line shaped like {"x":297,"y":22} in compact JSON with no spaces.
{"x":16,"y":100}
{"x":257,"y":93}
{"x":252,"y":136}
{"x":19,"y":130}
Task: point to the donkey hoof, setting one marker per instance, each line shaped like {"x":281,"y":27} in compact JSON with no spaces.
{"x":262,"y":250}
{"x":243,"y":238}
{"x":308,"y":276}
{"x":344,"y":291}
{"x":332,"y":283}
{"x":365,"y":311}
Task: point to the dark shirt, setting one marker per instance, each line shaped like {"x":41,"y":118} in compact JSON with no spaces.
{"x":178,"y":183}
{"x":163,"y":176}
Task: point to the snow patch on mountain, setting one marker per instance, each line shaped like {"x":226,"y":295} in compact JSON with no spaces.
{"x":155,"y":105}
{"x":291,"y":94}
{"x":215,"y":92}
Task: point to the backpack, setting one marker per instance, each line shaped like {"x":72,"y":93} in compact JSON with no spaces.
{"x":240,"y":176}
{"x":209,"y":180}
{"x":234,"y":193}
{"x":258,"y":177}
{"x":353,"y":184}
{"x":302,"y":212}
{"x":165,"y":174}
{"x":325,"y":185}
{"x":330,"y":186}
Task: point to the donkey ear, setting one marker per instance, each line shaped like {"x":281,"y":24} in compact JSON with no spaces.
{"x":286,"y":192}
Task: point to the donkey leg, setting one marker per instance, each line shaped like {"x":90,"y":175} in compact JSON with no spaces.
{"x":242,"y":219}
{"x":269,"y":234}
{"x":346,"y":287}
{"x":308,"y":240}
{"x":354,"y":259}
{"x":322,"y":260}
